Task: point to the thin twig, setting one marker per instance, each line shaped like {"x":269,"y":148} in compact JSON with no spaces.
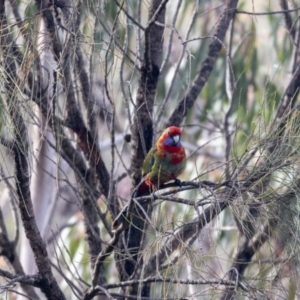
{"x":207,"y":66}
{"x":125,"y":46}
{"x":171,"y":280}
{"x":132,"y":19}
{"x":183,"y":52}
{"x":287,"y":18}
{"x":230,"y":89}
{"x":170,"y":42}
{"x":267,"y":13}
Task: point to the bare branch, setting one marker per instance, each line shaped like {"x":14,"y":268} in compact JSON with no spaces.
{"x":267,"y":13}
{"x":287,"y":18}
{"x":50,"y":287}
{"x":214,"y":48}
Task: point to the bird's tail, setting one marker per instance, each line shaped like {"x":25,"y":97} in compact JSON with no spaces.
{"x":122,"y":218}
{"x":143,"y":189}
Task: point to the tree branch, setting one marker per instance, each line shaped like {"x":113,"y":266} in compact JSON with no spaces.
{"x":20,"y":149}
{"x":214,"y":48}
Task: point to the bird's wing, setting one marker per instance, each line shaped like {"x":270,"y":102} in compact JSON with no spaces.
{"x":149,"y":161}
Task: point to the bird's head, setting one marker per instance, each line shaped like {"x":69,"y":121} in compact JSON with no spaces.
{"x":172,"y":136}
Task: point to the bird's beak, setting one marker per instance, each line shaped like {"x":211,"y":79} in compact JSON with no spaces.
{"x":176,"y":139}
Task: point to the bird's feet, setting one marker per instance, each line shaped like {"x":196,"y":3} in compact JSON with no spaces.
{"x":178,"y":182}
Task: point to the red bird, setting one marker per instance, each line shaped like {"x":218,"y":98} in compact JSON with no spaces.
{"x":165,"y":161}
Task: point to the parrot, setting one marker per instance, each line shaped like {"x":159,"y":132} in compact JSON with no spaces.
{"x":165,"y":161}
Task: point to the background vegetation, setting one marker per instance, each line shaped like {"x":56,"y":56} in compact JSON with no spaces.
{"x":87,"y":87}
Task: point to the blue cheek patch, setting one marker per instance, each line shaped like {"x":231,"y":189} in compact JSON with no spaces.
{"x":170,"y":142}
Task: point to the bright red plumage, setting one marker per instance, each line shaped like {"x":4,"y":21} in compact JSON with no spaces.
{"x":165,"y":161}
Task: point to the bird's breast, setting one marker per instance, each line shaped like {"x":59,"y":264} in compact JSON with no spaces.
{"x":172,"y":154}
{"x":177,"y":158}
